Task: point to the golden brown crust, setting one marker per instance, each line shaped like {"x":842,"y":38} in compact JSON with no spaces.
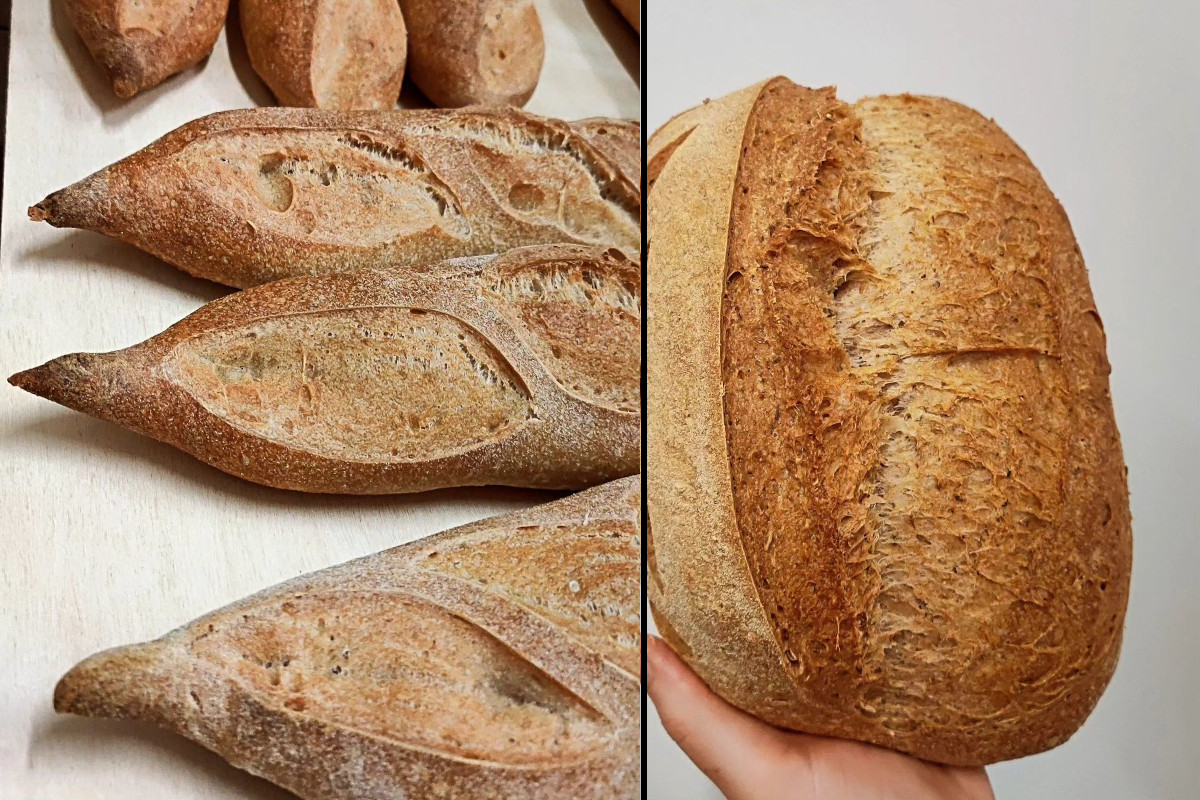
{"x":337,"y":54}
{"x":246,"y":197}
{"x":494,"y":660}
{"x":474,"y":52}
{"x":141,"y":44}
{"x":520,"y":369}
{"x":619,"y":140}
{"x":922,"y":462}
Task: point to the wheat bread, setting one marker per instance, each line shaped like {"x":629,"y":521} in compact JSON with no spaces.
{"x":246,"y":197}
{"x":141,"y":44}
{"x":886,"y":491}
{"x":336,"y":54}
{"x":499,"y":659}
{"x":474,"y":52}
{"x":521,"y":369}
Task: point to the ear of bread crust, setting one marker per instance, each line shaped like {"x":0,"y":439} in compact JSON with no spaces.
{"x":701,"y":588}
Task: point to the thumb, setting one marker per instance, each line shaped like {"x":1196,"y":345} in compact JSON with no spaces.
{"x":737,"y":752}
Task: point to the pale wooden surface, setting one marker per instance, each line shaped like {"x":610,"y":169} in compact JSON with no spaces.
{"x":109,"y":537}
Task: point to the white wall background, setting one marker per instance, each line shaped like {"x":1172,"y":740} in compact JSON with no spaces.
{"x":1105,"y":99}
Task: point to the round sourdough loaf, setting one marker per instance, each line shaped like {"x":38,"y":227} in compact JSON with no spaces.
{"x":886,"y":490}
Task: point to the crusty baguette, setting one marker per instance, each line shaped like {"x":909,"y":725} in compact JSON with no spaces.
{"x":620,"y":140}
{"x":496,"y":660}
{"x":474,"y":52}
{"x":631,"y":10}
{"x":246,"y":197}
{"x":521,"y":369}
{"x":340,"y":54}
{"x":141,"y":44}
{"x":886,"y":488}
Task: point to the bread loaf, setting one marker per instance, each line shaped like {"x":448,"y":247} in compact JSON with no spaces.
{"x":521,"y":369}
{"x":496,"y":660}
{"x":619,"y":140}
{"x":474,"y":52}
{"x":246,"y":197}
{"x":141,"y":44}
{"x":886,"y":490}
{"x":341,"y":54}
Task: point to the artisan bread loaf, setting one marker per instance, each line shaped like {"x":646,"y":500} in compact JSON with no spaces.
{"x":520,"y":369}
{"x":474,"y":52}
{"x":496,"y":660}
{"x":886,"y":490}
{"x":141,"y":44}
{"x":341,"y":54}
{"x":247,"y":197}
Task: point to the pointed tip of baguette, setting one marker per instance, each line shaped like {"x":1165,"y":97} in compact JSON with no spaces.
{"x":43,"y":211}
{"x":121,"y":682}
{"x":80,"y":381}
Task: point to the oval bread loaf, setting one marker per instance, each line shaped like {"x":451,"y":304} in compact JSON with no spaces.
{"x":339,"y":54}
{"x":246,"y":197}
{"x":886,"y":488}
{"x":141,"y":43}
{"x":496,"y":660}
{"x":521,"y":369}
{"x":474,"y":52}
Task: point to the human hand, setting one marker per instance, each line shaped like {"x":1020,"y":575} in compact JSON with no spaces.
{"x":750,"y":760}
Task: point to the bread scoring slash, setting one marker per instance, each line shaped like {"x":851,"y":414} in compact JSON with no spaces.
{"x":520,"y":369}
{"x":886,"y":489}
{"x":496,"y":660}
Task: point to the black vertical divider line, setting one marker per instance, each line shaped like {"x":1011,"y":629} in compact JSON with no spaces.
{"x":645,"y":254}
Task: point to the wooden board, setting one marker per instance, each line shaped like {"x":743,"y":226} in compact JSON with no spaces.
{"x":109,"y":537}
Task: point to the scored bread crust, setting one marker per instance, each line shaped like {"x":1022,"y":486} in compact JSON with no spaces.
{"x":141,"y":45}
{"x":618,"y":140}
{"x":498,"y":659}
{"x":879,"y":426}
{"x":520,"y":369}
{"x":250,"y":196}
{"x":327,"y":53}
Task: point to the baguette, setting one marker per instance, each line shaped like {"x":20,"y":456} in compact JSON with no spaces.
{"x":631,"y":10}
{"x":339,"y":54}
{"x":474,"y":52}
{"x":618,"y":140}
{"x":886,"y":487}
{"x":521,"y":369}
{"x":496,"y":660}
{"x":141,"y":44}
{"x":246,"y":197}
